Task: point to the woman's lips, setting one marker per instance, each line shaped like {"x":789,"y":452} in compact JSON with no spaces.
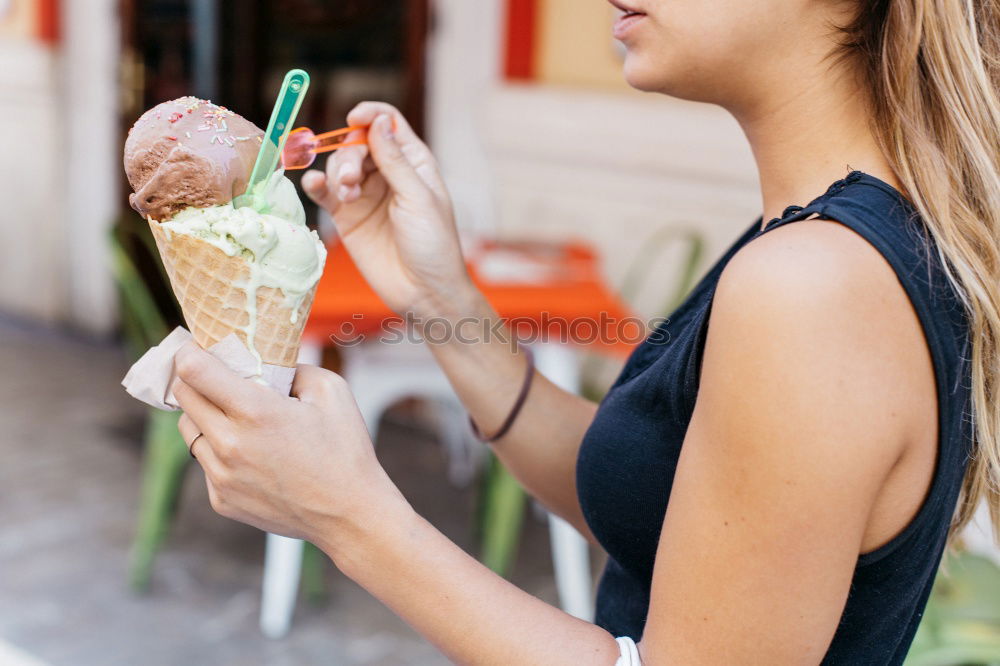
{"x":626,"y":24}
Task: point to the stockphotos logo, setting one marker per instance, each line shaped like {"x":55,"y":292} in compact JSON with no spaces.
{"x":548,"y":328}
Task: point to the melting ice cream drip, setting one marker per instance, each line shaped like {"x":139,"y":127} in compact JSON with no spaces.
{"x":279,"y":250}
{"x":273,"y":199}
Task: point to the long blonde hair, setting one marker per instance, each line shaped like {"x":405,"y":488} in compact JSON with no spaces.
{"x":932,"y":68}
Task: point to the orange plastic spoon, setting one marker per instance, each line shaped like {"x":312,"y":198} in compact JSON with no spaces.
{"x":302,"y":145}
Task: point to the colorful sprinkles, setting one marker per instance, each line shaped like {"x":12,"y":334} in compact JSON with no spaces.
{"x":213,"y":120}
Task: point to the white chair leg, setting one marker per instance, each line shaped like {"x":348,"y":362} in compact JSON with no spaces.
{"x":283,"y":556}
{"x":570,"y":555}
{"x":465,"y":455}
{"x":282,"y":568}
{"x":571,"y":561}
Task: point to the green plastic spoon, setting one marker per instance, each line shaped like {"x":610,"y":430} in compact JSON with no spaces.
{"x":293,"y":89}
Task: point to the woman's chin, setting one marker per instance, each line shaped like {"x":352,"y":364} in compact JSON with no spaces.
{"x":666,"y":80}
{"x":641,"y":76}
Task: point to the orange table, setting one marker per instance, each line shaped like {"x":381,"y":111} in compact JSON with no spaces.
{"x":566,"y":296}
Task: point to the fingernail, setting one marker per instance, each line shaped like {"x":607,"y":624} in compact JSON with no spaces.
{"x":343,"y":192}
{"x":345,"y":170}
{"x":385,"y":126}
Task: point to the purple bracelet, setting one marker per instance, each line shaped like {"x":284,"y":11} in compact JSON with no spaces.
{"x":522,"y":397}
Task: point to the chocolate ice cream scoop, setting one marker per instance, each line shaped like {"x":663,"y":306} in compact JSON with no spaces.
{"x":188,"y":152}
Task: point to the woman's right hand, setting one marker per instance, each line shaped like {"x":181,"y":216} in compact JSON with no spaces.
{"x":394,"y":216}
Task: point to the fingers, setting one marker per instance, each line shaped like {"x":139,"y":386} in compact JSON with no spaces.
{"x":315,"y":385}
{"x":199,"y":446}
{"x":193,"y":436}
{"x":345,"y":176}
{"x":349,"y":168}
{"x":390,"y":160}
{"x":189,"y":431}
{"x":412,"y":145}
{"x":315,"y":185}
{"x":415,"y":150}
{"x":199,"y":411}
{"x":210,"y":384}
{"x":349,"y":162}
{"x":345,"y":172}
{"x":365,"y":113}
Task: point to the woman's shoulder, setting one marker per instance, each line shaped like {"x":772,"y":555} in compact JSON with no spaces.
{"x":810,"y":323}
{"x":815,"y":294}
{"x":819,"y":263}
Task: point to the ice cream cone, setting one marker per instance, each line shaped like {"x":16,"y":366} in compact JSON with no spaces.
{"x":211,"y":289}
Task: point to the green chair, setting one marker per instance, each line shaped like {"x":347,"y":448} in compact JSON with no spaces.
{"x":641,"y":268}
{"x":166,"y":454}
{"x":501,"y":512}
{"x":501,"y":516}
{"x":961,"y":625}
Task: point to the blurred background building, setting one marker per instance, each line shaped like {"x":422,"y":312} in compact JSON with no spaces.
{"x":521,"y":100}
{"x":538,"y":137}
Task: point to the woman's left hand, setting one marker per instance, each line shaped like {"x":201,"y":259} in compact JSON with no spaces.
{"x":295,"y":466}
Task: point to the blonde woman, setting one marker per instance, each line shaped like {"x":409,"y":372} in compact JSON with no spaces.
{"x":775,"y":479}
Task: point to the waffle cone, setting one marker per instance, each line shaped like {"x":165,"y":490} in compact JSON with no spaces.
{"x":208,"y":285}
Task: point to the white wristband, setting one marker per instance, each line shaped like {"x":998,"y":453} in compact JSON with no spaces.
{"x":629,"y":652}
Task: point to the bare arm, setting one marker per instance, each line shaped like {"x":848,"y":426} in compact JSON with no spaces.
{"x":543,"y":444}
{"x":799,"y":421}
{"x":471,"y":614}
{"x":268,"y":462}
{"x":780,"y":473}
{"x":395,"y":217}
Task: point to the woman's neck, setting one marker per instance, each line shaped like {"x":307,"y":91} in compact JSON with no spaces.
{"x":806,"y":137}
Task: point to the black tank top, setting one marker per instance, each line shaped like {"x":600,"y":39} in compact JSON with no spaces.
{"x":629,"y":455}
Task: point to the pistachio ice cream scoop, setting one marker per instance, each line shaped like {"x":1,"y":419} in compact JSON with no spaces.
{"x":283,"y":252}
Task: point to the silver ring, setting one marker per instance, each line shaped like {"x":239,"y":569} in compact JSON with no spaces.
{"x":191,"y":445}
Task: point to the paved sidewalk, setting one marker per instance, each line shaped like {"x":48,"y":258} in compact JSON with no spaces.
{"x":69,"y":470}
